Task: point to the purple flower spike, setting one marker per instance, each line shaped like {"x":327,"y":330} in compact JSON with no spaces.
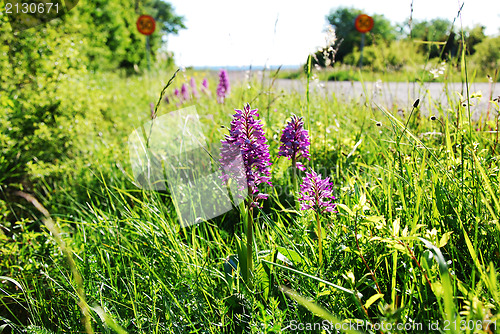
{"x":184,"y":92}
{"x":192,"y":83}
{"x":204,"y":87}
{"x":223,"y":87}
{"x":204,"y":83}
{"x":295,"y":141}
{"x":177,"y":93}
{"x":316,"y":194}
{"x":246,"y":146}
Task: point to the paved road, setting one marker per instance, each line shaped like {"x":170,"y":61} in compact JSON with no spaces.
{"x":394,"y":95}
{"x":402,"y":95}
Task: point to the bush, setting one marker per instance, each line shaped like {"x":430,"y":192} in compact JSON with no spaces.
{"x":487,"y":55}
{"x":35,"y":74}
{"x":344,"y":75}
{"x":49,"y":107}
{"x":387,"y":56}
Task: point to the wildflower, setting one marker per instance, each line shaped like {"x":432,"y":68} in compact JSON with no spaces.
{"x":192,"y":83}
{"x":329,"y":52}
{"x":316,"y":194}
{"x":245,"y":153}
{"x":204,"y":87}
{"x":223,"y":87}
{"x":295,"y":141}
{"x":184,"y":92}
{"x":437,"y":72}
{"x":177,"y":93}
{"x":245,"y":157}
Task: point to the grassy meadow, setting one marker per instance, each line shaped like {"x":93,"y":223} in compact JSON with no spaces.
{"x":414,"y":244}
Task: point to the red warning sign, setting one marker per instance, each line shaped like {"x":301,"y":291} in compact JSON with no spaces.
{"x":146,"y":24}
{"x":363,"y":23}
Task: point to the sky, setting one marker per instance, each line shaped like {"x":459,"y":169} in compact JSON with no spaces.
{"x":283,"y":32}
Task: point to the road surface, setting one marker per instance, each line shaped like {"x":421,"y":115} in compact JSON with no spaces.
{"x":402,"y":95}
{"x":394,"y":95}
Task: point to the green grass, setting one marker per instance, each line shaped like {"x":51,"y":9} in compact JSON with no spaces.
{"x":416,"y":238}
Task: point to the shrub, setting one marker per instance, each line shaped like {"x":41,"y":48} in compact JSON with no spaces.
{"x":487,"y":55}
{"x":383,"y":56}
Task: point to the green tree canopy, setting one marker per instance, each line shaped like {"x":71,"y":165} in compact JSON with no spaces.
{"x":110,"y":28}
{"x":342,"y":19}
{"x":433,"y":30}
{"x":164,"y":14}
{"x":475,"y":36}
{"x":436,"y":30}
{"x":487,"y":54}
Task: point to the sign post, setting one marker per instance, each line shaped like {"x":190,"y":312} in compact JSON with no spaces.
{"x":146,"y":25}
{"x":363,"y":24}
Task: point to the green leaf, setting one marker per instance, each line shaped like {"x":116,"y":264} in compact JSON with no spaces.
{"x":373,"y":299}
{"x":344,"y":207}
{"x":242,"y":257}
{"x":289,"y":256}
{"x":315,"y":308}
{"x":354,"y":148}
{"x":351,"y":277}
{"x":395,"y":226}
{"x":444,"y":239}
{"x":324,"y":293}
{"x":2,"y":328}
{"x":374,"y":219}
{"x":311,"y":276}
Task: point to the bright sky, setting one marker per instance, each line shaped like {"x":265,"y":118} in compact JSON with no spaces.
{"x":283,"y":32}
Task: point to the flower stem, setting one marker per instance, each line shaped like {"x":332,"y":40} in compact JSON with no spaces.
{"x":249,"y":268}
{"x":320,"y":240}
{"x":294,"y":182}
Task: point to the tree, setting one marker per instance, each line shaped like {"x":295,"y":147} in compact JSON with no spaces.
{"x":487,"y":54}
{"x":434,"y":30}
{"x":112,"y":34}
{"x":167,"y":20}
{"x":342,"y":19}
{"x":474,"y":36}
{"x":437,"y":30}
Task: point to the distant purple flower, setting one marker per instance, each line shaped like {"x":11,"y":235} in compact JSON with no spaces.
{"x":204,"y":87}
{"x":177,"y":93}
{"x":192,"y":83}
{"x":245,"y":153}
{"x":223,"y":87}
{"x":316,"y":193}
{"x":204,"y":83}
{"x":184,"y":92}
{"x":295,"y":141}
